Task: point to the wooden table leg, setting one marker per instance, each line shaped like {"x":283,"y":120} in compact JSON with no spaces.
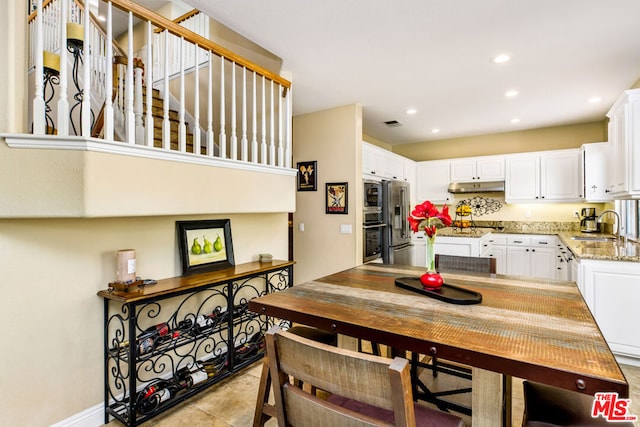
{"x":491,"y":399}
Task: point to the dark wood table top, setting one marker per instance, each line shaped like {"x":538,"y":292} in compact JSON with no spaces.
{"x":533,"y":329}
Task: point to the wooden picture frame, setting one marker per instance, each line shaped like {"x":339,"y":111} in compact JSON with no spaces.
{"x":308,"y":176}
{"x":205,"y":245}
{"x":336,"y":198}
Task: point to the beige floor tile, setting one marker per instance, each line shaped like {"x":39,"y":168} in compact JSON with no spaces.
{"x":231,"y":403}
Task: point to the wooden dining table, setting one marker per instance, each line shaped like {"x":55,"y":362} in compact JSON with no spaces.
{"x":539,"y":330}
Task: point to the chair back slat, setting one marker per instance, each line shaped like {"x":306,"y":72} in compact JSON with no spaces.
{"x":465,"y":263}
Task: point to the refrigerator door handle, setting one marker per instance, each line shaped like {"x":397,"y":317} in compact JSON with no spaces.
{"x":403,"y":213}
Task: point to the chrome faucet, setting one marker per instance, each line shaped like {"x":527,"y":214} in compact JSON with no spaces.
{"x":600,"y":221}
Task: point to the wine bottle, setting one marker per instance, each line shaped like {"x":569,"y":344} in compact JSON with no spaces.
{"x":154,"y":395}
{"x":152,"y":337}
{"x":251,"y":347}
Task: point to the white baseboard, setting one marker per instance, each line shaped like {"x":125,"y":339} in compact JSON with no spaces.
{"x":91,"y":417}
{"x":627,"y":360}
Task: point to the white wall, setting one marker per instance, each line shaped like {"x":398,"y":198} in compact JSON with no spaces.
{"x":334,"y":139}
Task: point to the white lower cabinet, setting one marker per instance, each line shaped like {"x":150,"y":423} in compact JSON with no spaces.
{"x":612,"y":291}
{"x":531,"y":255}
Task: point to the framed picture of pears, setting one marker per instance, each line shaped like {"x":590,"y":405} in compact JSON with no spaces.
{"x":205,"y":245}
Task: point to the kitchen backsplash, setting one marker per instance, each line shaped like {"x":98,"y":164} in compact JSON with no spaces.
{"x":542,"y":227}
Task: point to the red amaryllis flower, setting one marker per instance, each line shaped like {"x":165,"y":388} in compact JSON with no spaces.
{"x":425,"y":214}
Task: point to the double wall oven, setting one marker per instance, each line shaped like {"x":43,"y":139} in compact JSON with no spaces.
{"x":373,"y":221}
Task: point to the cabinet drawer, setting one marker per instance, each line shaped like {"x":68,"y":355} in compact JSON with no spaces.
{"x":498,"y":240}
{"x":519,"y":241}
{"x":543,"y":241}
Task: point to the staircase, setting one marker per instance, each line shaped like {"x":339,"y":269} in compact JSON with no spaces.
{"x":157,"y":110}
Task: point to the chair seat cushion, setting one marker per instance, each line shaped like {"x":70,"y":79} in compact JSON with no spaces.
{"x":425,"y":417}
{"x":547,"y":406}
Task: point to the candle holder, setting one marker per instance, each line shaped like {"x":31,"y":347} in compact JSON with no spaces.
{"x":51,"y":74}
{"x":75,"y":46}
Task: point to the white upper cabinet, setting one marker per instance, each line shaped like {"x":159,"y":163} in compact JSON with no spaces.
{"x":477,"y":169}
{"x":595,"y":171}
{"x":381,"y":163}
{"x":432,"y":181}
{"x":544,"y":176}
{"x":624,"y":140}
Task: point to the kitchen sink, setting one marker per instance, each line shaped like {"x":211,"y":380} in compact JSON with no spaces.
{"x":594,"y":238}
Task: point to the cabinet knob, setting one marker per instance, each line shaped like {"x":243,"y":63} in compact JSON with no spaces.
{"x":533,"y":250}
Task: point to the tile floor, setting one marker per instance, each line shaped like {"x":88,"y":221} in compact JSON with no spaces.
{"x":231,"y":403}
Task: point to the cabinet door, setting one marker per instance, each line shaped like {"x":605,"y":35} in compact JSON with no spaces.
{"x":490,"y":169}
{"x":392,"y":165}
{"x":518,"y":261}
{"x":543,"y":263}
{"x":595,"y":161}
{"x":433,"y":181}
{"x":463,"y":170}
{"x":612,"y":290}
{"x":368,"y":159}
{"x":617,"y":137}
{"x":560,"y":175}
{"x":499,"y":252}
{"x":522,"y":178}
{"x":419,"y":254}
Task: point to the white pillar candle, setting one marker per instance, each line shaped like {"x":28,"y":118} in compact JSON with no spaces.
{"x":126,"y":265}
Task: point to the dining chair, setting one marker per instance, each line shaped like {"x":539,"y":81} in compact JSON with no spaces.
{"x":555,"y":407}
{"x":442,"y":396}
{"x":360,"y":389}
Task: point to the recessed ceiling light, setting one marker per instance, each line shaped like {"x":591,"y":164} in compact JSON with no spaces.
{"x":515,"y":120}
{"x":501,"y":59}
{"x":511,"y":93}
{"x":411,"y":111}
{"x":436,"y":130}
{"x":595,"y":100}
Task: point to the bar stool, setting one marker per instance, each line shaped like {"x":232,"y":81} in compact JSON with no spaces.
{"x":546,"y":406}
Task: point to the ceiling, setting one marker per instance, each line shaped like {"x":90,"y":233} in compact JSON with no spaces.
{"x":436,"y":57}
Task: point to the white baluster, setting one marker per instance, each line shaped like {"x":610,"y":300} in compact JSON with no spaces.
{"x":182,"y":127}
{"x":272,"y":147}
{"x":254,"y":123}
{"x":234,"y":137}
{"x":86,"y":75}
{"x":63,"y":101}
{"x":166,"y":124}
{"x":39,"y":125}
{"x":149,"y":127}
{"x":280,"y":149}
{"x":130,"y":117}
{"x":196,"y":103}
{"x":244,"y":142}
{"x":222,"y":141}
{"x":138,"y":104}
{"x":108,"y":106}
{"x":210,"y":140}
{"x":263,"y":139}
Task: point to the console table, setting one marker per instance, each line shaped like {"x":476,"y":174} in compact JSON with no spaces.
{"x":165,"y":342}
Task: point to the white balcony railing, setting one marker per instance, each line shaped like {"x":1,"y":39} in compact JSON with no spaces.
{"x":189,"y":96}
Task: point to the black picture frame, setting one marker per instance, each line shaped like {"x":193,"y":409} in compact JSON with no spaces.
{"x":205,"y":245}
{"x":336,"y":198}
{"x":308,"y":176}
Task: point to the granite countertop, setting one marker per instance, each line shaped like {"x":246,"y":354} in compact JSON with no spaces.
{"x":583,"y":249}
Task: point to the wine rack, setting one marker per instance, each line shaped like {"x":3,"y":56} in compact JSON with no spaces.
{"x":167,"y":342}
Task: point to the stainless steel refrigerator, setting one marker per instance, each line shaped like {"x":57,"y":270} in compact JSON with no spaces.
{"x":397,"y":246}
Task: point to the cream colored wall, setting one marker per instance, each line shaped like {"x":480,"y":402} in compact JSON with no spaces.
{"x":51,"y":269}
{"x":332,"y":138}
{"x":551,"y":138}
{"x":51,"y":272}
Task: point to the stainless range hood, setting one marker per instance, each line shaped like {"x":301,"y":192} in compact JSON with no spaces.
{"x":476,"y":187}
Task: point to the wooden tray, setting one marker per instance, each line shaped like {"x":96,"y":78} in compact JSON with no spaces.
{"x":447,"y":293}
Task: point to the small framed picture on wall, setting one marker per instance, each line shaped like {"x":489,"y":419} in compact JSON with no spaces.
{"x":307,"y":176}
{"x":336,"y":198}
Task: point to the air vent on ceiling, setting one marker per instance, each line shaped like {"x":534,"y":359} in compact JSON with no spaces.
{"x":393,"y":123}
